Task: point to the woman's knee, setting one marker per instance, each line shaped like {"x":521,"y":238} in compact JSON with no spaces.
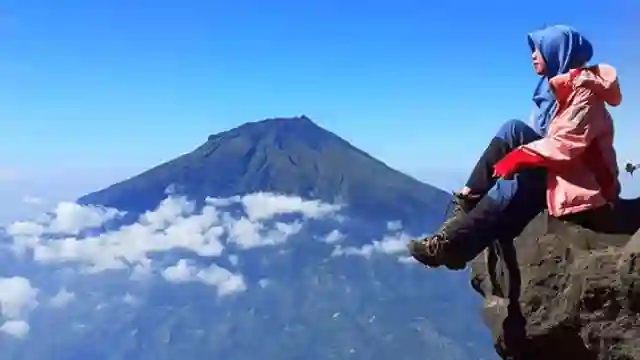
{"x":511,"y":127}
{"x":516,"y":132}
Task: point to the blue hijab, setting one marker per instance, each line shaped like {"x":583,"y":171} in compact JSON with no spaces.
{"x":562,"y":48}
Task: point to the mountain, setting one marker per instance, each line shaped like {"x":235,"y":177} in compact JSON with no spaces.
{"x":283,"y":155}
{"x":270,"y":267}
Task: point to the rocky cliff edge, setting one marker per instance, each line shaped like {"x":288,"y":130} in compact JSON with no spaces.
{"x":561,"y":291}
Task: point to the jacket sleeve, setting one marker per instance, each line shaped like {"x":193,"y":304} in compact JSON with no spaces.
{"x":570,"y":140}
{"x":565,"y":144}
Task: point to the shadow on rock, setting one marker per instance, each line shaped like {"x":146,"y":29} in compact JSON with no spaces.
{"x":562,"y":290}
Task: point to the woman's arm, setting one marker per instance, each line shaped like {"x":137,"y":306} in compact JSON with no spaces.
{"x":568,"y":142}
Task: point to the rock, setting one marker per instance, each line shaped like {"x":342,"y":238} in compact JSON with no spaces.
{"x":561,"y":291}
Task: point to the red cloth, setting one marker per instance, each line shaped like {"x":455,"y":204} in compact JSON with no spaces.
{"x":523,"y":157}
{"x":517,"y":159}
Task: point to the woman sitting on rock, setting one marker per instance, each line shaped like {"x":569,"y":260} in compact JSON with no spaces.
{"x":568,"y":155}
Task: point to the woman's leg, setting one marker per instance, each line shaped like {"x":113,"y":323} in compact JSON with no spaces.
{"x":511,"y":134}
{"x":503,"y":214}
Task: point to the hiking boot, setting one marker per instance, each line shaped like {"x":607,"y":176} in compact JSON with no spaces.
{"x":462,"y":205}
{"x":436,"y":250}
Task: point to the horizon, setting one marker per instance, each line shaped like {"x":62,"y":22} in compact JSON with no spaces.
{"x":30,"y":204}
{"x":89,"y":104}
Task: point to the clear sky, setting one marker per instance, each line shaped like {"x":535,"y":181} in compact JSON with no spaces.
{"x":92,"y":91}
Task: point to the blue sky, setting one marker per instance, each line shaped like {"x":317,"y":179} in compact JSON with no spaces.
{"x":96,"y":90}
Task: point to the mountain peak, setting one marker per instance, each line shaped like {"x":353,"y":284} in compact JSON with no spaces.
{"x":292,"y":156}
{"x":295,"y":123}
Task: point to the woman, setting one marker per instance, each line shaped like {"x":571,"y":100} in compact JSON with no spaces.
{"x":567,"y":153}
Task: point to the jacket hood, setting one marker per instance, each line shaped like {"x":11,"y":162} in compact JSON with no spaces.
{"x":601,"y":80}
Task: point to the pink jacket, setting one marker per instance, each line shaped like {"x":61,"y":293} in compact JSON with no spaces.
{"x":578,"y":148}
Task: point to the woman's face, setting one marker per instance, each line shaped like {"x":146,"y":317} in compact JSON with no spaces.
{"x":538,"y":62}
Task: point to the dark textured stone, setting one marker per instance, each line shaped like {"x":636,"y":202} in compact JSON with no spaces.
{"x":561,"y":291}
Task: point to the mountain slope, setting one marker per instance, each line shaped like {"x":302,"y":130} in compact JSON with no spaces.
{"x":306,"y":296}
{"x":253,"y":276}
{"x":283,"y":155}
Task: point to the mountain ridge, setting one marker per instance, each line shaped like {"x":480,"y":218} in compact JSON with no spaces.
{"x":291,"y":156}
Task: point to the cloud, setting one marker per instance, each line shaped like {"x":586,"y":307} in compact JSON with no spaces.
{"x":174,"y":224}
{"x":260,"y":206}
{"x":248,"y":234}
{"x":141,"y":271}
{"x":263,"y":283}
{"x":15,"y":328}
{"x":225,"y":281}
{"x":67,"y":218}
{"x":130,"y":300}
{"x":208,"y":237}
{"x":333,"y":237}
{"x":389,"y":244}
{"x":17,"y":299}
{"x":85,"y":239}
{"x":180,"y":272}
{"x":62,"y":298}
{"x":408,"y":260}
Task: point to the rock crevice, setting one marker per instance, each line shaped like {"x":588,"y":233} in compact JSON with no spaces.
{"x":561,"y":291}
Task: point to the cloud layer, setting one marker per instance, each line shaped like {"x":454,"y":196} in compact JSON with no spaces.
{"x":85,"y":238}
